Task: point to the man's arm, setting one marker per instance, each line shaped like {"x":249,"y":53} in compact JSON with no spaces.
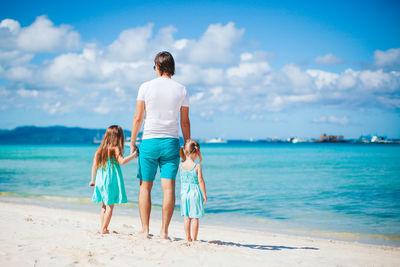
{"x":185,"y":123}
{"x":137,"y":123}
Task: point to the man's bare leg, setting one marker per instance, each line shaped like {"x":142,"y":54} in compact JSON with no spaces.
{"x":145,"y":206}
{"x":168,"y":187}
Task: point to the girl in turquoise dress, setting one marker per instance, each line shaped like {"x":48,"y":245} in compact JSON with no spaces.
{"x":193,"y":188}
{"x":107,"y":177}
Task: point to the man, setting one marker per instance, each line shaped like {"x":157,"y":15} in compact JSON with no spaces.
{"x":160,"y":103}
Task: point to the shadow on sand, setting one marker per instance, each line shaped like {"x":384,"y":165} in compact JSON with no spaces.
{"x":252,"y":246}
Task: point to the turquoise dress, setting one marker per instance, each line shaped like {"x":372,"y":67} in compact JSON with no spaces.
{"x":109,"y":186}
{"x":191,"y":197}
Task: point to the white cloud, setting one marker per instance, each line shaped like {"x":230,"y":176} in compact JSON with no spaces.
{"x":247,"y":69}
{"x":27,"y":93}
{"x":348,"y":79}
{"x":323,"y":78}
{"x":295,"y":77}
{"x":212,"y":76}
{"x":14,"y":57}
{"x":53,"y":108}
{"x":69,"y":69}
{"x":216,"y":45}
{"x":131,"y":44}
{"x":332,"y":120}
{"x":217,"y":92}
{"x":196,"y":97}
{"x":12,"y":25}
{"x":19,"y":73}
{"x":390,"y":57}
{"x":43,"y":36}
{"x":255,"y":116}
{"x":4,"y":92}
{"x":102,"y":110}
{"x":180,"y":44}
{"x":246,"y":56}
{"x":218,"y":74}
{"x":301,"y":98}
{"x":329,"y":59}
{"x":375,"y":79}
{"x":389,"y":102}
{"x":10,"y":53}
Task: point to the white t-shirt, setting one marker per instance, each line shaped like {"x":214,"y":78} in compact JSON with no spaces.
{"x":163,"y":98}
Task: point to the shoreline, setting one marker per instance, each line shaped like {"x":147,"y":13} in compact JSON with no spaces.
{"x":53,"y":236}
{"x":130,"y":209}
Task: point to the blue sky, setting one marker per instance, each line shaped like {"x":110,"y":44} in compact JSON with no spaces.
{"x":253,"y":69}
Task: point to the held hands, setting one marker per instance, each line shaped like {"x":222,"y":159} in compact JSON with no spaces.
{"x":134,"y":150}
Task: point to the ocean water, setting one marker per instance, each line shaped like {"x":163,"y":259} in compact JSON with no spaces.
{"x":349,"y":191}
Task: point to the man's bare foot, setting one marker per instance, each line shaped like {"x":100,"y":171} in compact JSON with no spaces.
{"x":164,"y":236}
{"x":143,"y":235}
{"x":104,"y":232}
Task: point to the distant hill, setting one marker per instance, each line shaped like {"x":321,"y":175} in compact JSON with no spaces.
{"x":52,"y":135}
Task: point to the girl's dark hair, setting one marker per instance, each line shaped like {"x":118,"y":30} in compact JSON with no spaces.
{"x":190,"y":147}
{"x":113,"y":138}
{"x":165,"y":63}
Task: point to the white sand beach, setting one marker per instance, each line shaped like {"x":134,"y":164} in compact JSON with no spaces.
{"x":40,"y":236}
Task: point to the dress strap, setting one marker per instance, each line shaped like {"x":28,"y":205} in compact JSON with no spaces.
{"x":194,"y":168}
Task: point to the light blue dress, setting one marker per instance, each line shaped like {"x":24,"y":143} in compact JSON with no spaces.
{"x":109,"y":186}
{"x":191,"y":197}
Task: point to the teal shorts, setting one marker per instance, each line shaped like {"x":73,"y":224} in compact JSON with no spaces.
{"x":158,"y":152}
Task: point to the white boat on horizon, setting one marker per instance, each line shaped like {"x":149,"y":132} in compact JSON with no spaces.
{"x":295,"y":140}
{"x":216,"y":141}
{"x":298,"y":140}
{"x":379,"y":139}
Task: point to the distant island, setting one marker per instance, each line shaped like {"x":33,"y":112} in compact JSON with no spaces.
{"x":52,"y":135}
{"x":76,"y":135}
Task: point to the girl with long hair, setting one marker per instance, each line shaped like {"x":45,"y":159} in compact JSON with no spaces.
{"x":107,"y":177}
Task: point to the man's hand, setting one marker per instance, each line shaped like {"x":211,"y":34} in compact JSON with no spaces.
{"x":133,"y":147}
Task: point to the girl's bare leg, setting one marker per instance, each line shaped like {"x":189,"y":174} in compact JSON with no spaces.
{"x":195,"y":228}
{"x":107,"y":218}
{"x":102,"y":212}
{"x":187,"y":229}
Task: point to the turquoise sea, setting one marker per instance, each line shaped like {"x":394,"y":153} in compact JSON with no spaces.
{"x":345,"y":191}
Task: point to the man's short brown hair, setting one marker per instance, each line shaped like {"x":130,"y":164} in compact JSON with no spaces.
{"x":165,"y":63}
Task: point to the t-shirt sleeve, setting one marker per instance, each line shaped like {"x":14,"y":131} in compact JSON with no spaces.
{"x":140,"y":95}
{"x":185,"y":102}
